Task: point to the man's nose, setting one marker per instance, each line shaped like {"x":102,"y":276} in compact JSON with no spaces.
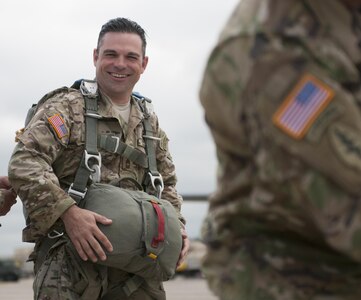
{"x":120,"y":61}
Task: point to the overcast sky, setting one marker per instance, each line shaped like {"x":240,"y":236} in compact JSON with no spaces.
{"x":47,"y":44}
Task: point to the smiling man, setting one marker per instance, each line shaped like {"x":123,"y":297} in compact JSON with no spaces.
{"x":43,"y":170}
{"x":119,"y":60}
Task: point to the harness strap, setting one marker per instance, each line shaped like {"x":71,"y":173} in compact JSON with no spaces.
{"x":153,"y":177}
{"x":91,"y":160}
{"x":128,"y":288}
{"x":115,"y":145}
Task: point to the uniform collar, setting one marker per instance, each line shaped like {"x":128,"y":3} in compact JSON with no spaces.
{"x":107,"y":110}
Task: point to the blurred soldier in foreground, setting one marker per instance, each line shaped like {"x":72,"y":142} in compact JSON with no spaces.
{"x":282,"y":95}
{"x":7,"y":196}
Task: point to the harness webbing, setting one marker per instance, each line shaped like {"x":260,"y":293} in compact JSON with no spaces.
{"x":91,"y":160}
{"x":153,"y":177}
{"x":128,"y":288}
{"x":115,"y":145}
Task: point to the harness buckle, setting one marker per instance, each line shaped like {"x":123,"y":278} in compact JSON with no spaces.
{"x":157,"y":183}
{"x":55,"y":234}
{"x":71,"y":191}
{"x":151,"y":137}
{"x":95,"y":176}
{"x":93,"y":115}
{"x":89,"y":88}
{"x":95,"y":169}
{"x":116,"y":143}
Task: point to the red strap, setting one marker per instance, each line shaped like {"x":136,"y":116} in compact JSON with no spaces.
{"x":161,"y":223}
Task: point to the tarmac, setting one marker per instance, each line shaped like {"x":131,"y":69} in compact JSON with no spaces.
{"x":179,"y":288}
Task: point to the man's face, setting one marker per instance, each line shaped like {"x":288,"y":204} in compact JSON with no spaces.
{"x":119,"y":62}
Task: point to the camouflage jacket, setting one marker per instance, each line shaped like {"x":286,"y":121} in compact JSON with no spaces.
{"x":50,"y":149}
{"x":2,"y":200}
{"x":282,"y":95}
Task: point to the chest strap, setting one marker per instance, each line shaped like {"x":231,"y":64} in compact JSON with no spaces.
{"x":114,"y":144}
{"x":89,"y":168}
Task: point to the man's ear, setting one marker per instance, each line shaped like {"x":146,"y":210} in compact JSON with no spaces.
{"x":95,"y":56}
{"x":145,"y":63}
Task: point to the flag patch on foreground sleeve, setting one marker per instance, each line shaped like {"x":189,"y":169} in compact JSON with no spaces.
{"x":302,"y":106}
{"x":57,"y":122}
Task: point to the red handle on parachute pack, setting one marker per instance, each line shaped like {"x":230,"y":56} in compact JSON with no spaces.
{"x":161,"y":225}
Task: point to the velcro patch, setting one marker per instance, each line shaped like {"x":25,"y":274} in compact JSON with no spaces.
{"x":347,"y":144}
{"x":57,"y":122}
{"x":302,"y":106}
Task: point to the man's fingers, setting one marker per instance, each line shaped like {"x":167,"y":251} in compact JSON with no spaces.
{"x":102,"y":219}
{"x":96,"y":246}
{"x":4,"y":182}
{"x":103,"y":240}
{"x":185,"y":247}
{"x":100,"y":236}
{"x":82,"y":228}
{"x":80,"y":251}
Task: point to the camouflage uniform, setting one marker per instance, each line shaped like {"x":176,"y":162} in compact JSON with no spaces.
{"x":44,"y":164}
{"x":282,"y":95}
{"x":2,"y":198}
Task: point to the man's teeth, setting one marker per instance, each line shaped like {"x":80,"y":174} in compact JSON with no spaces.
{"x":119,"y":75}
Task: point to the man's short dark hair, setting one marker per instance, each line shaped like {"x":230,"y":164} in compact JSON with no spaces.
{"x":123,"y":25}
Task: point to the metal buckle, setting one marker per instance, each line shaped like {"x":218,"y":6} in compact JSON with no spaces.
{"x":152,"y":137}
{"x":93,"y":115}
{"x":89,"y":88}
{"x":71,"y":191}
{"x":95,"y":176}
{"x":56,"y":234}
{"x":90,"y":156}
{"x":117,"y":143}
{"x":157,"y":183}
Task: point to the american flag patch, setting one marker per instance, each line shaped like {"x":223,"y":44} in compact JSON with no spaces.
{"x":57,"y":122}
{"x":302,"y":106}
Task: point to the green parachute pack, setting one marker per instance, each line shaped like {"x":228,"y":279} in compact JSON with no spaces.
{"x":144,"y":233}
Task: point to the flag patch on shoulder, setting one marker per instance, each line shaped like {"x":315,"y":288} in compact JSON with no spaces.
{"x":302,"y":106}
{"x":57,"y":122}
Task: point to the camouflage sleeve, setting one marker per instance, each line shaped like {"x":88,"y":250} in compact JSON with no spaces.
{"x":2,"y":199}
{"x":326,"y":140}
{"x":30,"y":168}
{"x":246,"y":93}
{"x":220,"y":95}
{"x":167,"y":170}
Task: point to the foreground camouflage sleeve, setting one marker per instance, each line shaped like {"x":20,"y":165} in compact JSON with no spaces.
{"x":321,"y":168}
{"x":311,"y":184}
{"x":30,"y":168}
{"x":167,"y":170}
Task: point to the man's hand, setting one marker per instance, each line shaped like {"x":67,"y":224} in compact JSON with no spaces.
{"x":8,"y":195}
{"x":185,"y":247}
{"x":82,"y":229}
